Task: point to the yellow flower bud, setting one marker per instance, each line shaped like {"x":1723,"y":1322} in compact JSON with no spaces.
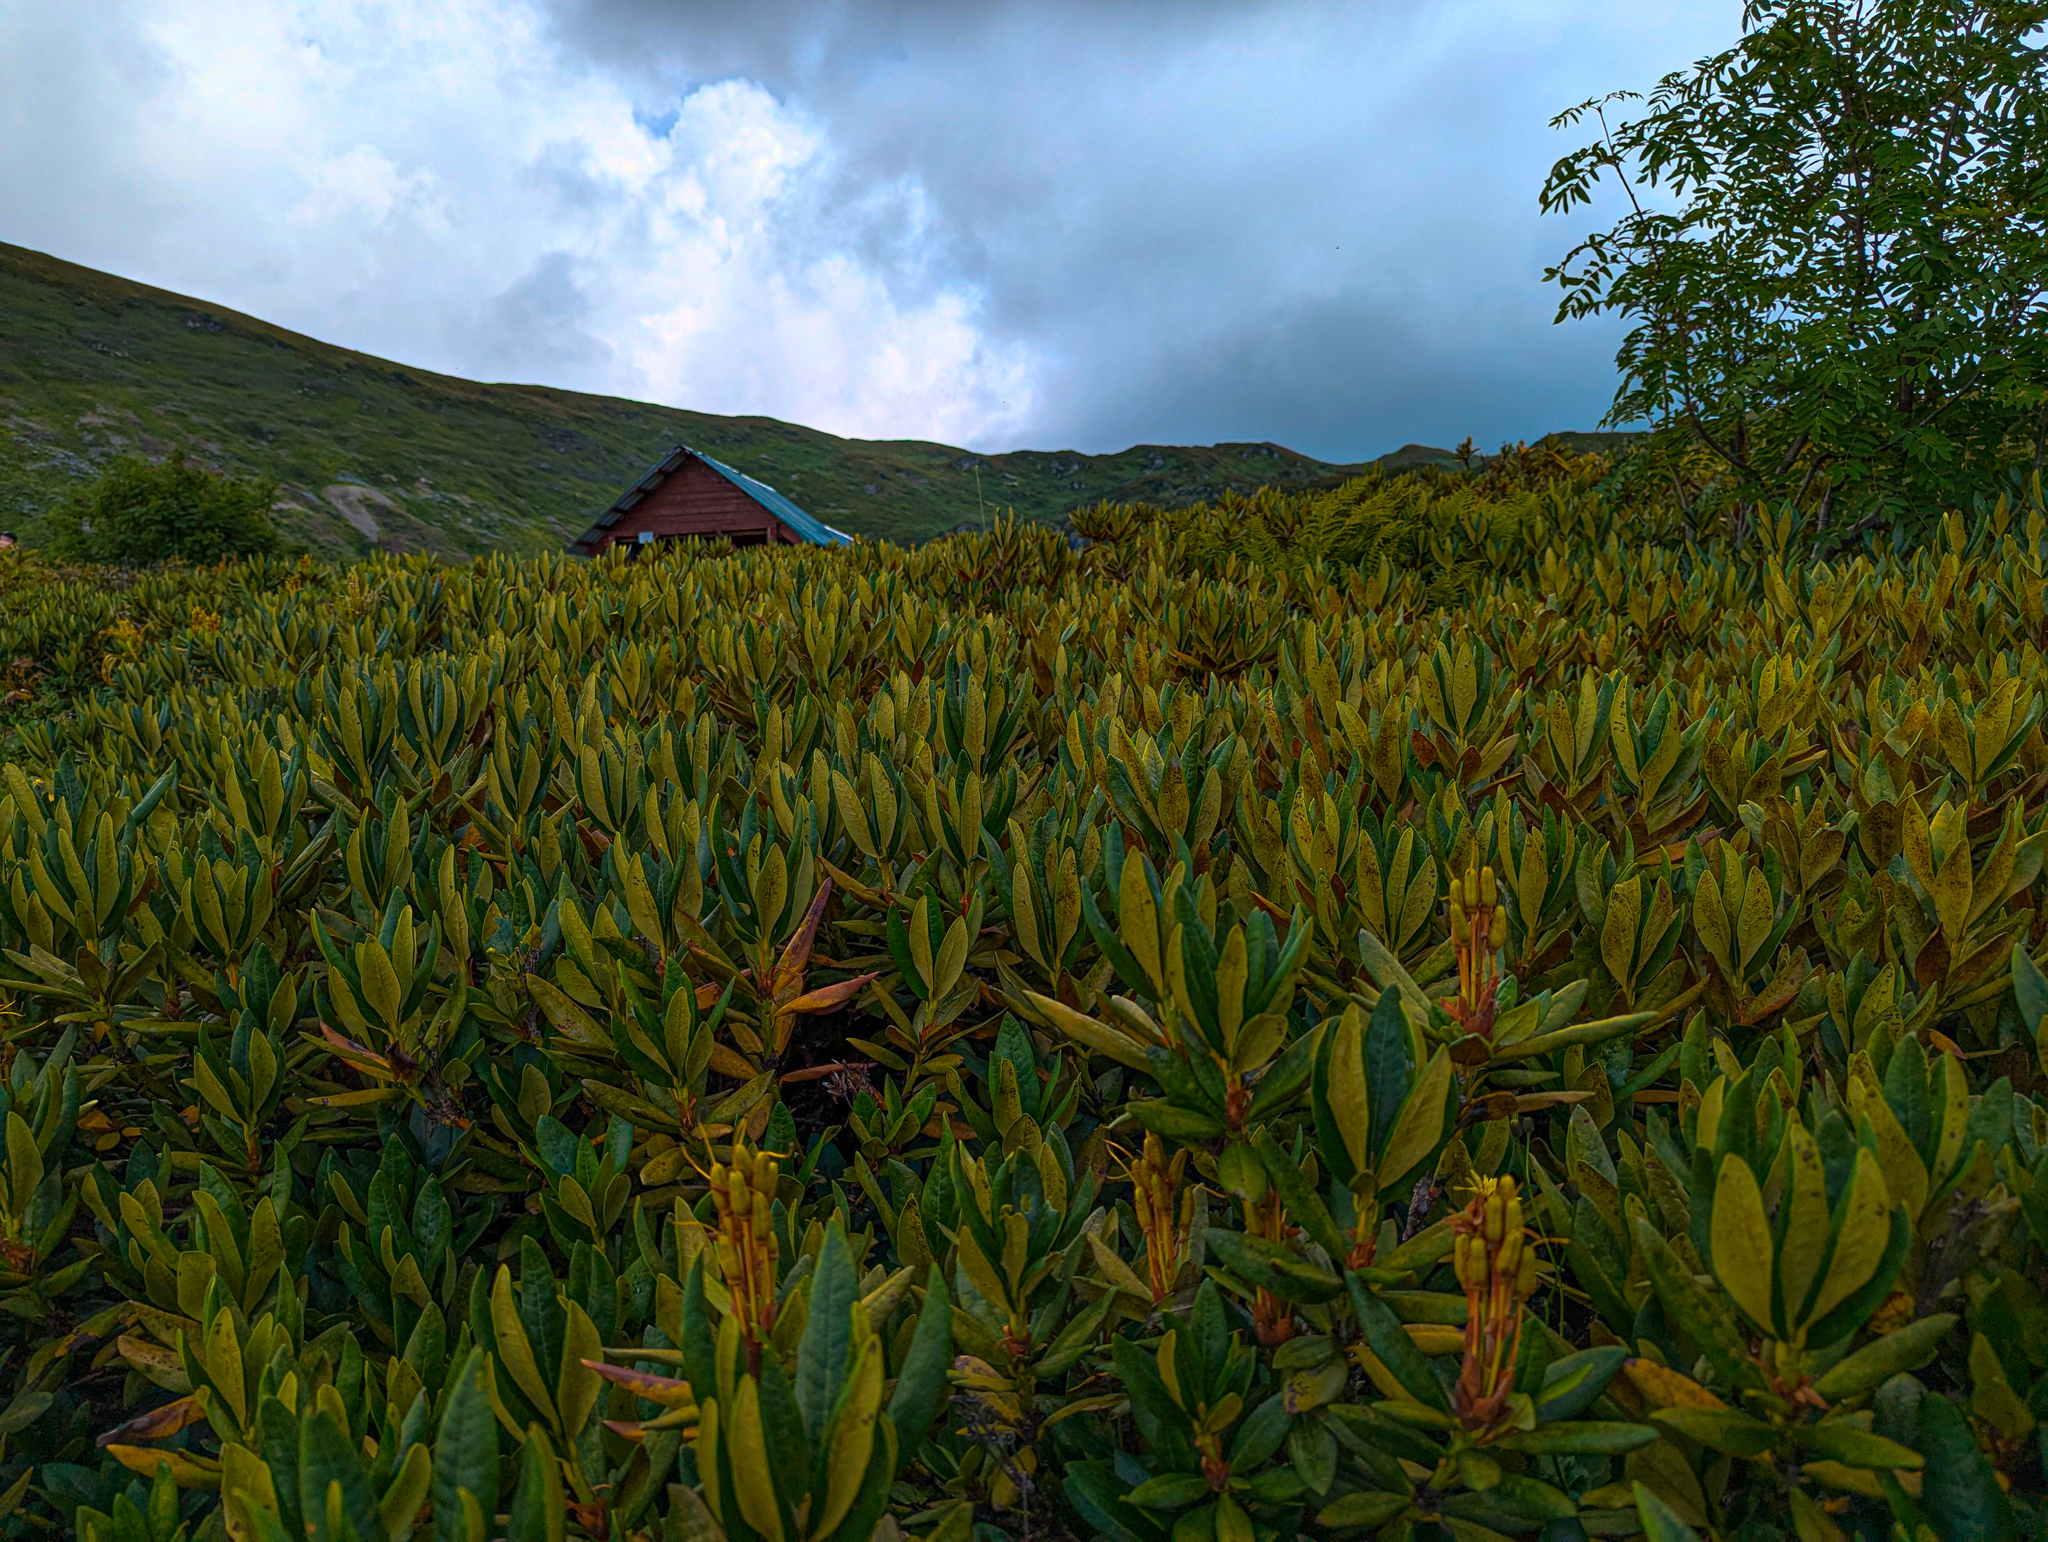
{"x":1497,"y":934}
{"x":1488,"y":890}
{"x":1525,"y":1279}
{"x":1471,"y":1263}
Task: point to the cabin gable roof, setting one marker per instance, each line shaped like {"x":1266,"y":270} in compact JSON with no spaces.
{"x":811,"y":530}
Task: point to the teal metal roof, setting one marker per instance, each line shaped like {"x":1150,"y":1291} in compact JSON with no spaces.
{"x":814,"y":531}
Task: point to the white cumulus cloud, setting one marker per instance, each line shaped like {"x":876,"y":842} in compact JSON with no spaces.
{"x":440,"y":184}
{"x":1046,"y":222}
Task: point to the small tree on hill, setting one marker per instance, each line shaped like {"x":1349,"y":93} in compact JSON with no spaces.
{"x":1834,"y":260}
{"x":141,"y":512}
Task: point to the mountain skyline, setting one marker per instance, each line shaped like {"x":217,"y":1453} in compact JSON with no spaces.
{"x":370,"y":453}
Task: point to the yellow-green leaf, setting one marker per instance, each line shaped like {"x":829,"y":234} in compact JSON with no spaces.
{"x":1350,"y":1099}
{"x":515,"y":1352}
{"x":1742,"y":1242}
{"x":1806,"y":1223}
{"x":1618,"y":931}
{"x":753,"y":1482}
{"x":1860,"y":1238}
{"x":1951,"y":893}
{"x":1420,"y":1124}
{"x":853,"y":1439}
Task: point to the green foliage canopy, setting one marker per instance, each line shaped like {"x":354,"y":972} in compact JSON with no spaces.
{"x":1833,"y":258}
{"x":140,"y":512}
{"x":1527,"y":1025}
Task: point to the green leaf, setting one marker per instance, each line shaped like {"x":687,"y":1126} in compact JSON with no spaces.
{"x":1152,"y":1407}
{"x":1571,"y":1383}
{"x":163,"y":1502}
{"x":1363,"y":1509}
{"x":1167,"y":1118}
{"x":1337,"y":1098}
{"x":515,"y":1349}
{"x":1367,"y":1431}
{"x":1423,"y":1251}
{"x":407,"y":1492}
{"x":1390,"y":1342}
{"x":1904,"y":1349}
{"x":1077,"y":1337}
{"x":1170,"y":1490}
{"x":1701,"y":1318}
{"x":278,"y":1438}
{"x":1387,"y":1071}
{"x":1272,"y":1266}
{"x":1855,"y":1309}
{"x":539,"y":1510}
{"x":1581,"y":1437}
{"x":1284,"y":1078}
{"x":1179,"y":1083}
{"x":1097,"y":1496}
{"x":1419,"y":1126}
{"x":1742,"y":1243}
{"x":1578,"y":1033}
{"x":1260,"y":1435}
{"x":1864,"y":1226}
{"x":873,"y":1493}
{"x":466,"y":1449}
{"x":1660,"y":1523}
{"x":2030,"y":992}
{"x":1722,"y":1428}
{"x":1959,"y":1492}
{"x":1532,"y":1499}
{"x":783,"y":1438}
{"x":828,"y":1334}
{"x":1302,"y":1204}
{"x":921,"y":1389}
{"x":1312,"y":1450}
{"x":1837,"y":1440}
{"x":2030,"y":989}
{"x":333,"y":1485}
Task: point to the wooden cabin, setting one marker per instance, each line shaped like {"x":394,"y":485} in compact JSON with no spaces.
{"x":688,"y":494}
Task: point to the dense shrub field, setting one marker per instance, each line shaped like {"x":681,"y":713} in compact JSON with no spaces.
{"x":1451,"y":1012}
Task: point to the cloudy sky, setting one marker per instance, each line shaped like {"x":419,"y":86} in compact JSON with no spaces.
{"x":1047,"y":224}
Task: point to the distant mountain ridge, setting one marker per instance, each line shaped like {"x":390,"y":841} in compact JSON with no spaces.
{"x":375,"y":454}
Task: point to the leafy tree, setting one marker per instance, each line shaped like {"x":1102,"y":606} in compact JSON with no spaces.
{"x":1834,"y":258}
{"x":141,"y":512}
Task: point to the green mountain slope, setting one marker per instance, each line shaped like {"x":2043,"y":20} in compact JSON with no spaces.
{"x":374,"y":453}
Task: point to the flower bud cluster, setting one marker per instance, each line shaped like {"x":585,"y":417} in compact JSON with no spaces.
{"x":743,"y":1191}
{"x":1479,"y":930}
{"x":1495,"y":1256}
{"x":1165,"y":1211}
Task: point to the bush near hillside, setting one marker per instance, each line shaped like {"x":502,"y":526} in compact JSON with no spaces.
{"x":1449,"y":524}
{"x":138,"y":513}
{"x":998,"y":1041}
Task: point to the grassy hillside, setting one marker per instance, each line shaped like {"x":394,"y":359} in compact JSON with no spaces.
{"x":372,"y":453}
